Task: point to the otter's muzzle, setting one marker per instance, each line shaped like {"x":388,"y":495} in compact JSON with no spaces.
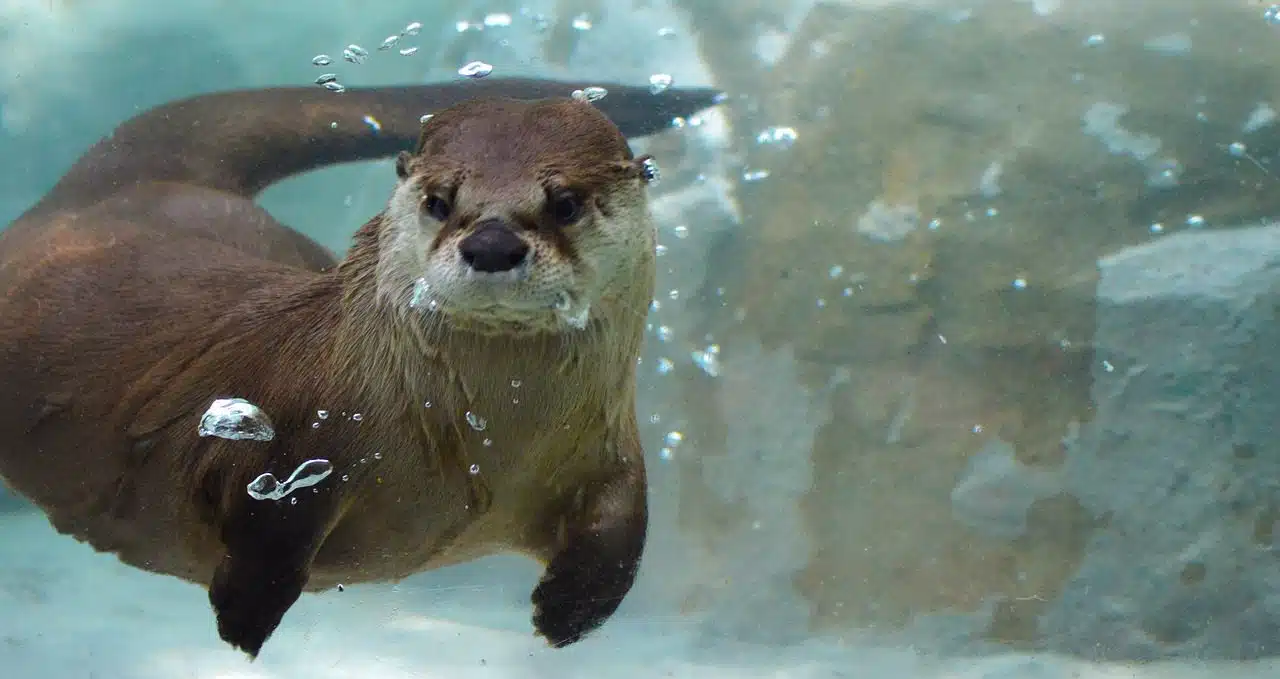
{"x":493,"y":247}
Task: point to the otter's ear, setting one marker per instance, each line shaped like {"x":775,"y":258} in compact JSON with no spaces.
{"x":402,"y":164}
{"x":643,"y":168}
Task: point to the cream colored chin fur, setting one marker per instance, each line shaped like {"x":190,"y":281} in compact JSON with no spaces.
{"x":547,"y":294}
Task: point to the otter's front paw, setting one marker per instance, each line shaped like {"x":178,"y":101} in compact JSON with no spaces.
{"x":580,"y":589}
{"x":250,"y":602}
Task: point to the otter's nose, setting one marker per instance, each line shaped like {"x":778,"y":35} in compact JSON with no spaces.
{"x":493,"y":248}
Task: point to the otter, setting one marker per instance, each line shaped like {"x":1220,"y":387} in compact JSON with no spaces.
{"x":465,"y":375}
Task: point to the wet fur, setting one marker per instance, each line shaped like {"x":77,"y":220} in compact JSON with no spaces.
{"x":148,"y":283}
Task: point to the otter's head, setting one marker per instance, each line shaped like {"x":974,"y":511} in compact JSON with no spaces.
{"x":518,"y":214}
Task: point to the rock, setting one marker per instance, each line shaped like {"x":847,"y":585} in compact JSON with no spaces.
{"x":1181,"y":464}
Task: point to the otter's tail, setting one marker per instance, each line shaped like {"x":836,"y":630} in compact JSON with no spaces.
{"x":243,"y":141}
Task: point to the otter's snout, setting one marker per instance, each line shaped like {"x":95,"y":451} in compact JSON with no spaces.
{"x":493,"y":247}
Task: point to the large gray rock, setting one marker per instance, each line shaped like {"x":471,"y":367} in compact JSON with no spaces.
{"x":1181,"y":464}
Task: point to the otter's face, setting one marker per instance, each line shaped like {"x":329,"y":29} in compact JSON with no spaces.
{"x":524,"y":213}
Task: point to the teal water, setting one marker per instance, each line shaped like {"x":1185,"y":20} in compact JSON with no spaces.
{"x":960,"y":364}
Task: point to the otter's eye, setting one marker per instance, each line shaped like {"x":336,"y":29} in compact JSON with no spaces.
{"x":438,"y":208}
{"x":564,"y":208}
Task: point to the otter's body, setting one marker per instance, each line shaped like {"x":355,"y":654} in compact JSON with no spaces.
{"x":148,"y":283}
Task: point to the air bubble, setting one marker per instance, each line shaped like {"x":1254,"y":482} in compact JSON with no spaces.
{"x":486,"y":443}
{"x":582,"y":22}
{"x":515,"y":384}
{"x":308,"y":474}
{"x":475,"y":469}
{"x":413,"y":28}
{"x":1019,"y":283}
{"x":475,"y":69}
{"x":355,"y":54}
{"x":650,"y":171}
{"x":590,"y":94}
{"x":335,"y":87}
{"x":408,"y":51}
{"x":322,"y":414}
{"x":357,"y":417}
{"x":321,"y":60}
{"x":326,"y":78}
{"x":708,"y":359}
{"x":236,"y":419}
{"x":477,"y":423}
{"x":389,"y":42}
{"x":660,"y":82}
{"x":777,"y":136}
{"x":673,"y":439}
{"x":377,"y":456}
{"x":665,"y":366}
{"x":497,"y":20}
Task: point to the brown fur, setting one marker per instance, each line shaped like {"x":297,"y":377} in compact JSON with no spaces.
{"x":148,"y":284}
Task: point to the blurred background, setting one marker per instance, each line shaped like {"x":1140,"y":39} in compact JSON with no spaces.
{"x":961,"y":362}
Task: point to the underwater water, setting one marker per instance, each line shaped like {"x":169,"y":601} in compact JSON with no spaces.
{"x":958,"y":365}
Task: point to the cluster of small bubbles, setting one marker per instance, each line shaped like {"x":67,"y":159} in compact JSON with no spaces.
{"x":977,"y":429}
{"x":655,"y":418}
{"x":235,"y":419}
{"x":660,"y":250}
{"x":477,"y":423}
{"x":321,"y":60}
{"x":475,"y":469}
{"x":707,"y":359}
{"x":1195,"y":221}
{"x":650,"y":171}
{"x":673,"y":294}
{"x":681,"y":231}
{"x":1020,"y":283}
{"x":665,"y":333}
{"x":589,"y":94}
{"x":497,"y":19}
{"x":835,"y":271}
{"x":1157,"y":228}
{"x":1272,"y":15}
{"x":308,"y":474}
{"x":665,"y":366}
{"x":487,"y":442}
{"x":755,"y":175}
{"x":1095,"y":40}
{"x":670,"y":443}
{"x":355,"y":54}
{"x":660,"y":82}
{"x":782,"y":137}
{"x":582,"y":22}
{"x":655,"y":305}
{"x":475,"y":69}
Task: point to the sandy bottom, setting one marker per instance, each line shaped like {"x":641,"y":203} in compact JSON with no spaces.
{"x":73,"y":614}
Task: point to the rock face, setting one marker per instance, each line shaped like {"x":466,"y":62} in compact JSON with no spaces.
{"x":1181,"y":463}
